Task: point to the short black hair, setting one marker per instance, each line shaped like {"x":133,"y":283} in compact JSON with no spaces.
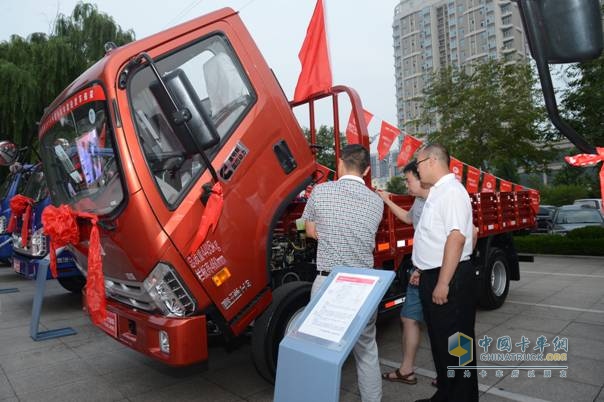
{"x":355,"y":157}
{"x":411,"y":167}
{"x":438,"y":152}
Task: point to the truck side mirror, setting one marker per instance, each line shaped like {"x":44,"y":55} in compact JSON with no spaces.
{"x":561,"y":31}
{"x":569,"y":31}
{"x":8,"y":153}
{"x":189,"y":121}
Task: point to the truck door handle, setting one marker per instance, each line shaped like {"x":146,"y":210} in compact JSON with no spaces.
{"x":284,"y":156}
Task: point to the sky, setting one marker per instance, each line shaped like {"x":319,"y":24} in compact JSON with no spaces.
{"x":360,"y":36}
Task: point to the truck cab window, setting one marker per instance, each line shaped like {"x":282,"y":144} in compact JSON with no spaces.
{"x":220,"y":87}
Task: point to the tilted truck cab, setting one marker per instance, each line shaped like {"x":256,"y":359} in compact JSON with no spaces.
{"x":110,"y":149}
{"x":150,"y":136}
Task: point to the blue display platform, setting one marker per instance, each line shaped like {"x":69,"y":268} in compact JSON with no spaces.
{"x":311,"y":356}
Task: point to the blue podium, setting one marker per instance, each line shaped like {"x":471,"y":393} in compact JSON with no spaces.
{"x":311,"y":355}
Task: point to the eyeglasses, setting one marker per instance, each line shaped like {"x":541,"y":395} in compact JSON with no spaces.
{"x":423,"y":160}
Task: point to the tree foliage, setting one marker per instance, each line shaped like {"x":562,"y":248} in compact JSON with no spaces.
{"x":583,"y":102}
{"x":325,"y":146}
{"x":34,"y":70}
{"x":396,"y":185}
{"x":488,"y":116}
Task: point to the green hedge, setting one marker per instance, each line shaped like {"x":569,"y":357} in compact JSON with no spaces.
{"x":556,"y":244}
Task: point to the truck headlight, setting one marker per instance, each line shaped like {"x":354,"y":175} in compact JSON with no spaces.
{"x":167,"y":292}
{"x":39,"y":243}
{"x":3,"y":224}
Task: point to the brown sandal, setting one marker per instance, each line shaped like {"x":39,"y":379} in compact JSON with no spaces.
{"x":400,"y":377}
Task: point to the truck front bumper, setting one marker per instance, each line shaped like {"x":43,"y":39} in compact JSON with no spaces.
{"x":141,"y":331}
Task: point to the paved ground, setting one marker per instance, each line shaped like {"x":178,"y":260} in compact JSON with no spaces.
{"x":557,"y":296}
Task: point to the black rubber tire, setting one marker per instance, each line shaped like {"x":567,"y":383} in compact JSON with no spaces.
{"x":269,"y":328}
{"x":74,"y":284}
{"x":494,"y":287}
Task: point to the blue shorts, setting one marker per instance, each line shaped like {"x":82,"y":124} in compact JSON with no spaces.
{"x":412,"y":307}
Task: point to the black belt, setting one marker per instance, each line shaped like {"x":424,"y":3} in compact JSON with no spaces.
{"x":437,"y":269}
{"x":323,"y":273}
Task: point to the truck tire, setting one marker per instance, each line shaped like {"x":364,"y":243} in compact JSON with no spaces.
{"x":74,"y":284}
{"x":288,"y":301}
{"x":495,"y":282}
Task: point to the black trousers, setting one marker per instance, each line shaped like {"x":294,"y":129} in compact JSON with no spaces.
{"x":457,"y":315}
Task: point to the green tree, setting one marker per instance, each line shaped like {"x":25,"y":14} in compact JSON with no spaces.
{"x":488,"y":116}
{"x":325,"y":146}
{"x":396,"y":185}
{"x":33,"y":71}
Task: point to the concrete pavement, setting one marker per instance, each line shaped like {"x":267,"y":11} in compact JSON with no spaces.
{"x":557,"y":296}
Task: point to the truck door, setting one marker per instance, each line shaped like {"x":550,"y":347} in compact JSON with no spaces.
{"x":262,"y":158}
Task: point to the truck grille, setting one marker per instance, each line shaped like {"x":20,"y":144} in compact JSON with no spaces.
{"x":130,"y":293}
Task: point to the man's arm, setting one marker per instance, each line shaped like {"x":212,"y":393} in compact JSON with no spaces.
{"x":311,"y":229}
{"x":453,"y":250}
{"x":474,"y":236}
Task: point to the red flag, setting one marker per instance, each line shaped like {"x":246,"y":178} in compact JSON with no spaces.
{"x":314,"y":56}
{"x":410,"y":145}
{"x":518,"y":187}
{"x":590,"y":160}
{"x":505,"y":186}
{"x":488,"y":183}
{"x":472,"y":179}
{"x":388,"y":133}
{"x":456,"y":167}
{"x":352,"y":133}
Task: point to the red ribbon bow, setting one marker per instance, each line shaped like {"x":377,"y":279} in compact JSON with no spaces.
{"x":590,"y":160}
{"x":20,"y":206}
{"x":210,"y":217}
{"x":61,"y":225}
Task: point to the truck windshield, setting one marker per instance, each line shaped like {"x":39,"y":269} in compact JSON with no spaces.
{"x":218,"y":84}
{"x":79,"y":154}
{"x":36,"y":186}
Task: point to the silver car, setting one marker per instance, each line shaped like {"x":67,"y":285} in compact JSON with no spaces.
{"x":569,"y":217}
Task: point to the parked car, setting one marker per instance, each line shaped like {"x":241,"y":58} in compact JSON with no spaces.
{"x":544,"y":219}
{"x":591,"y":203}
{"x":569,"y":217}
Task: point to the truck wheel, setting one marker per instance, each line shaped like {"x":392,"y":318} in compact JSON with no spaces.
{"x":495,"y":280}
{"x":74,"y":284}
{"x":289,"y":301}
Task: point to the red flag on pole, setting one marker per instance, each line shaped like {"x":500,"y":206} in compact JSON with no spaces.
{"x":388,"y":133}
{"x":518,"y":187}
{"x":505,"y":186}
{"x":314,"y":56}
{"x":456,"y":167}
{"x":472,"y":179}
{"x":410,"y":145}
{"x":488,"y":183}
{"x":352,"y":133}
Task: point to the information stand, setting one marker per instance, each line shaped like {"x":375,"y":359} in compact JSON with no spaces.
{"x":36,"y":309}
{"x":311,"y":356}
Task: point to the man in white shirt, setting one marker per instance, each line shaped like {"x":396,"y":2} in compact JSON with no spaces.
{"x":442,"y":246}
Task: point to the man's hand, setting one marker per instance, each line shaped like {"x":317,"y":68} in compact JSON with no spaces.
{"x":384,"y":195}
{"x":414,"y":278}
{"x":439,"y":296}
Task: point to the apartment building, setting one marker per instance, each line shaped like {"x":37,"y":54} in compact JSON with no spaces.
{"x":430,"y":34}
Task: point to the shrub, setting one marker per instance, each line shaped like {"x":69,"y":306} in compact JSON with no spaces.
{"x":563,"y":194}
{"x":588,"y":232}
{"x":561,"y":245}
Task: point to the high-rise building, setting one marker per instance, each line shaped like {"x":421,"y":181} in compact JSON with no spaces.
{"x":430,"y":34}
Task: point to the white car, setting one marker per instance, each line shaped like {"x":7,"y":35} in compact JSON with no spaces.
{"x":591,"y":203}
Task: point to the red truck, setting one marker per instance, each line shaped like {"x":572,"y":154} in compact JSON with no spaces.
{"x":140,"y":140}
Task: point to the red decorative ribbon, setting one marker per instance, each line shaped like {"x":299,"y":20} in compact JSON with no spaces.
{"x":590,"y":160}
{"x":210,"y":217}
{"x":20,"y":206}
{"x":61,"y":225}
